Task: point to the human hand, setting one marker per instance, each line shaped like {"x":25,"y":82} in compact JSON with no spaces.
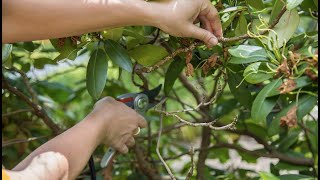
{"x":177,"y":17}
{"x":120,"y":123}
{"x":48,"y":165}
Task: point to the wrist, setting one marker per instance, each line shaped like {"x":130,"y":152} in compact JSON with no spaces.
{"x":99,"y":124}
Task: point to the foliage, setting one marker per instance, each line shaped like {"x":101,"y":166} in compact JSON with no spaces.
{"x":268,"y":80}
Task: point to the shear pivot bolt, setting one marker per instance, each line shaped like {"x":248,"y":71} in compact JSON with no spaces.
{"x":142,"y":103}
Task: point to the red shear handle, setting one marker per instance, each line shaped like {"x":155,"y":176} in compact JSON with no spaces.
{"x":130,"y":99}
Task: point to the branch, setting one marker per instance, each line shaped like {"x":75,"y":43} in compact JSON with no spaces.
{"x":220,"y":39}
{"x":190,"y":173}
{"x":144,"y":165}
{"x":195,"y":124}
{"x":38,"y":110}
{"x":203,"y":152}
{"x":16,"y":112}
{"x":189,"y":86}
{"x":16,"y":141}
{"x":275,"y":154}
{"x":158,"y":152}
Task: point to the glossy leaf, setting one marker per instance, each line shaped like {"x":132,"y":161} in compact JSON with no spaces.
{"x":295,"y":177}
{"x":257,"y":4}
{"x":241,"y":93}
{"x":172,"y":74}
{"x":268,"y":176}
{"x":248,"y":51}
{"x":293,"y":3}
{"x":41,"y":62}
{"x":113,"y":34}
{"x":6,"y":51}
{"x":67,"y":50}
{"x":118,"y":55}
{"x":97,"y":73}
{"x":148,"y":55}
{"x":262,"y":105}
{"x":288,"y":141}
{"x":238,"y":60}
{"x":227,"y":23}
{"x":284,"y":30}
{"x":241,"y":27}
{"x":278,"y":5}
{"x":253,"y":75}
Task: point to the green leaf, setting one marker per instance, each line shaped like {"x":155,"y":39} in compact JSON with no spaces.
{"x":262,"y":105}
{"x":252,"y":74}
{"x":129,"y":32}
{"x":113,"y":34}
{"x":29,"y":46}
{"x":268,"y":176}
{"x":284,"y":30}
{"x":296,"y":177}
{"x":285,"y":166}
{"x":241,"y":27}
{"x":97,"y":73}
{"x":148,"y":55}
{"x":67,"y":51}
{"x":256,"y":129}
{"x":257,"y":4}
{"x":229,"y":21}
{"x":313,"y":136}
{"x":241,"y":93}
{"x":288,"y":141}
{"x":305,"y":105}
{"x":39,"y":63}
{"x":223,"y":108}
{"x":293,"y":3}
{"x":54,"y":90}
{"x":278,"y":5}
{"x":6,"y":51}
{"x":248,"y":51}
{"x":306,"y":5}
{"x":238,"y":60}
{"x":172,"y":74}
{"x":247,"y":157}
{"x":118,"y":55}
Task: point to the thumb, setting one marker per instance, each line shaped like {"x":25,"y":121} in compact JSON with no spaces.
{"x":203,"y":35}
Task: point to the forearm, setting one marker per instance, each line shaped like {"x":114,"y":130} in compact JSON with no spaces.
{"x":26,"y":20}
{"x":76,"y":144}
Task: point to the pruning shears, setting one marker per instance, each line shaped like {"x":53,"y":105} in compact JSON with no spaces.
{"x":140,"y":102}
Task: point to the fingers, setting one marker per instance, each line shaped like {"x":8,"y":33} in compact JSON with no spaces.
{"x":123,"y":149}
{"x":203,"y":35}
{"x":142,"y":122}
{"x":130,"y":142}
{"x":213,"y":18}
{"x":205,"y":23}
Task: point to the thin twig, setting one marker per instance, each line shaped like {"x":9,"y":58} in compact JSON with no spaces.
{"x":195,"y":124}
{"x":220,"y":39}
{"x":158,"y":152}
{"x":190,"y":173}
{"x":16,"y":112}
{"x":16,"y":141}
{"x":38,"y":110}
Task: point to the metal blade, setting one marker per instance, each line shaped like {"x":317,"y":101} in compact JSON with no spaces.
{"x":152,"y":94}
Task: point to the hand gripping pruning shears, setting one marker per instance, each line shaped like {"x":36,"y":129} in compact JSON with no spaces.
{"x":140,"y":102}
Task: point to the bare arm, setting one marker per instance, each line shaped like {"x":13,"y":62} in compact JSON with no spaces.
{"x":26,"y":20}
{"x":110,"y":122}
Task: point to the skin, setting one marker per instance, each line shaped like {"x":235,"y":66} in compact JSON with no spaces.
{"x":27,"y":20}
{"x":110,"y":122}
